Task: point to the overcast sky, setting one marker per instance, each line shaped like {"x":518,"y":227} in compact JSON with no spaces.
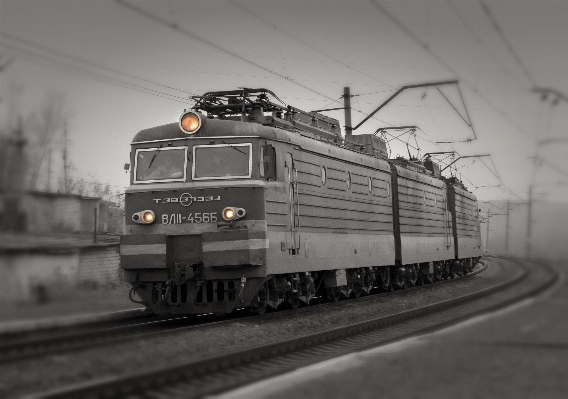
{"x":125,"y":66}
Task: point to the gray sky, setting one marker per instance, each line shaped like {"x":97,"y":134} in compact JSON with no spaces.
{"x":139,"y":72}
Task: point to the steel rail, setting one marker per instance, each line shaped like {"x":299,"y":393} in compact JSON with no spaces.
{"x":219,"y":373}
{"x":32,"y":348}
{"x":23,"y":327}
{"x":70,"y":341}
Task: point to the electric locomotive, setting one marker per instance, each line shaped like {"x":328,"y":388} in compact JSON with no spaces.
{"x":246,"y":203}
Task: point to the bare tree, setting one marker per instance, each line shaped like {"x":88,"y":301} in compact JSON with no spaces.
{"x":42,"y":129}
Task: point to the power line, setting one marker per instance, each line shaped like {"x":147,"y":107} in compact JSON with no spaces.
{"x":80,"y":60}
{"x":194,"y":36}
{"x":427,"y":48}
{"x":175,"y":27}
{"x":479,"y":40}
{"x":496,"y":174}
{"x":553,"y":166}
{"x":94,"y":75}
{"x":248,"y":11}
{"x":499,"y":31}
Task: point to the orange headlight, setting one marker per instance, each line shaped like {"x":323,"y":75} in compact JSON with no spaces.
{"x":148,"y":217}
{"x":144,"y":217}
{"x":228,"y":214}
{"x":190,"y":122}
{"x":231,"y":213}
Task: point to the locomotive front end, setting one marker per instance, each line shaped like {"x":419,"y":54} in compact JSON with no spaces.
{"x":195,"y":230}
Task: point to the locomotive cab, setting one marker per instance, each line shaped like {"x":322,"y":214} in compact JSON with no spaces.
{"x":195,"y":230}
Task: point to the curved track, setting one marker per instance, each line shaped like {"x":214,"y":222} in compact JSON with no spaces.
{"x":224,"y":372}
{"x":96,"y":334}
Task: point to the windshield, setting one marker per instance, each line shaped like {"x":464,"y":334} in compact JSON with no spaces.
{"x":160,"y":164}
{"x":222,"y":161}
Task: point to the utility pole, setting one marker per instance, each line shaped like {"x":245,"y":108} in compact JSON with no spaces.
{"x":14,"y":218}
{"x":529,"y":223}
{"x":347,"y":105}
{"x":49,"y":170}
{"x":65,"y":181}
{"x":507,"y":229}
{"x":487,"y":233}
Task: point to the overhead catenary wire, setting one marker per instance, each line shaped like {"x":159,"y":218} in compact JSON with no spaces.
{"x":508,"y":45}
{"x":249,"y":11}
{"x":553,"y":166}
{"x":496,"y":173}
{"x":84,"y":61}
{"x":467,"y":122}
{"x":468,"y":26}
{"x":196,"y":37}
{"x":92,"y":74}
{"x":428,"y":49}
{"x":175,"y":27}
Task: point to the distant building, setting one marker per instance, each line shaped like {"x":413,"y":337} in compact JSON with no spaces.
{"x":45,"y":212}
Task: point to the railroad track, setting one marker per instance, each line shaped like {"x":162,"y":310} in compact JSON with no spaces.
{"x":220,"y":373}
{"x":88,"y":336}
{"x":92,"y":335}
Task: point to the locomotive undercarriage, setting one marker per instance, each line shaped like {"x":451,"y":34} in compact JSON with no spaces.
{"x":179,"y":296}
{"x":197,"y":296}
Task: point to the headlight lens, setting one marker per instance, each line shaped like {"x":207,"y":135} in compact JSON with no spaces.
{"x":190,"y":122}
{"x":228,"y":214}
{"x":144,"y":217}
{"x":148,"y":217}
{"x":231,"y":213}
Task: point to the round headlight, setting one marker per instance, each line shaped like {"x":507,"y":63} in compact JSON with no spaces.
{"x":190,"y":122}
{"x":148,"y":217}
{"x":228,"y":214}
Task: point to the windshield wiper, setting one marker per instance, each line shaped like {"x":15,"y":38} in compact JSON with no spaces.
{"x":235,"y":148}
{"x":154,"y":157}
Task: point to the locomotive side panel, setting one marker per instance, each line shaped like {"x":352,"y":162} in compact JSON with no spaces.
{"x":467,"y":234}
{"x":425,"y":222}
{"x":342,"y":209}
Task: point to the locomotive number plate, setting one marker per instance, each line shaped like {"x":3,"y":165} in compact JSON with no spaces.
{"x":197,"y":217}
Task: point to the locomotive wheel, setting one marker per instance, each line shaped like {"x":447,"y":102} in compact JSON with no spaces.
{"x":260,"y":311}
{"x":357,"y":291}
{"x":411,"y":277}
{"x":399,"y":279}
{"x":385,"y":278}
{"x":293,"y":302}
{"x":334,"y":294}
{"x":259,"y":303}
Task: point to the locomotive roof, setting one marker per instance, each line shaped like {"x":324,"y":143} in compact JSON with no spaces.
{"x":211,"y":128}
{"x":230,"y":128}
